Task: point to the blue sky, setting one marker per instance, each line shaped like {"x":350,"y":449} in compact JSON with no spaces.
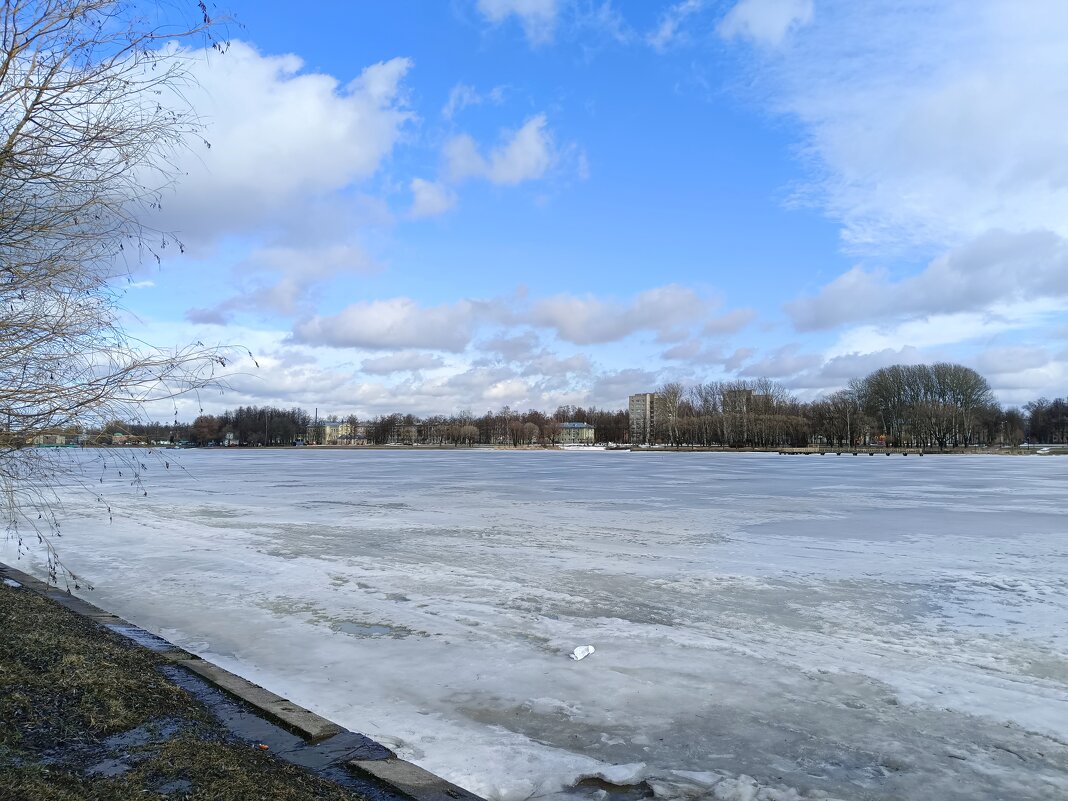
{"x":435,"y":206}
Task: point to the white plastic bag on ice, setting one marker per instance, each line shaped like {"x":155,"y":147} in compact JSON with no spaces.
{"x":582,"y":652}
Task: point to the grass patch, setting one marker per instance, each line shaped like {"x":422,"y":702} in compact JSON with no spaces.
{"x":64,"y":680}
{"x":66,"y":685}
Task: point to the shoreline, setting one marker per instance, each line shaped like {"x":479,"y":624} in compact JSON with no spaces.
{"x":276,"y":727}
{"x":815,"y":450}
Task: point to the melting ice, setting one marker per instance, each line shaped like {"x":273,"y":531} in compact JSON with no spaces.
{"x":765,"y":627}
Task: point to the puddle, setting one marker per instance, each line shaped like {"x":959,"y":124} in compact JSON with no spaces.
{"x":365,"y":630}
{"x":142,"y":637}
{"x":327,"y":758}
{"x":156,"y":731}
{"x":108,"y":768}
{"x":118,"y":753}
{"x":176,"y":786}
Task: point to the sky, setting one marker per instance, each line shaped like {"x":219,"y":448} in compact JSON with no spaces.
{"x":429,"y":207}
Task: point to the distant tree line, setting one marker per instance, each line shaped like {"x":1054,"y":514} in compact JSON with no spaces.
{"x":933,"y":406}
{"x":504,"y":427}
{"x":246,"y":425}
{"x":760,"y":413}
{"x":936,"y":406}
{"x":1047,"y":420}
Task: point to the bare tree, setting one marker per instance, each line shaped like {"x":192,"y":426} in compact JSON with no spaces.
{"x":673,"y":394}
{"x":936,"y":404}
{"x":89,"y":125}
{"x":468,"y":434}
{"x":531,"y":432}
{"x":551,"y":431}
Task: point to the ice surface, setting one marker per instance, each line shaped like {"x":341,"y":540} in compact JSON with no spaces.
{"x":767,"y":628}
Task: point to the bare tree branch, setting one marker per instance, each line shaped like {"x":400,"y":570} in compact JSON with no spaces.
{"x":90,"y":121}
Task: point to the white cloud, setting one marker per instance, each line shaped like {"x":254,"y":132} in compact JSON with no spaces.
{"x":693,"y":352}
{"x":549,"y":364}
{"x":207,"y":316}
{"x":946,"y":329}
{"x":1025,"y":386}
{"x":401,"y":362}
{"x":538,"y":17}
{"x":513,"y":348}
{"x":278,"y":135}
{"x":1011,"y":359}
{"x":669,"y":29}
{"x":523,"y":155}
{"x":611,"y":389}
{"x":928,"y":133}
{"x":285,"y":280}
{"x":299,"y":272}
{"x":738,"y":358}
{"x":783,"y":362}
{"x":461,"y":96}
{"x":765,"y":22}
{"x":303,"y":382}
{"x":996,"y":267}
{"x":588,"y":320}
{"x":391,"y":324}
{"x":929,"y":123}
{"x":838,"y":370}
{"x":430,"y":199}
{"x":942,"y":329}
{"x":490,"y":387}
{"x":274,"y":373}
{"x":290,"y":149}
{"x":603,"y":21}
{"x":729,"y":323}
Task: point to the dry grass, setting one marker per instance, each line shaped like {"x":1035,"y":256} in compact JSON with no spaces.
{"x":66,"y":684}
{"x":64,"y":680}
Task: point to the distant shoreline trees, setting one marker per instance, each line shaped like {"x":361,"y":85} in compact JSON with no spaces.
{"x":936,"y":406}
{"x":939,"y":405}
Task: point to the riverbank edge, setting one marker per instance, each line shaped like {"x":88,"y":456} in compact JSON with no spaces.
{"x":395,"y":776}
{"x":1048,"y":450}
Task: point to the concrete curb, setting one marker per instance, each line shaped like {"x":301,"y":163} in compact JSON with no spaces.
{"x":396,"y":777}
{"x":307,"y":724}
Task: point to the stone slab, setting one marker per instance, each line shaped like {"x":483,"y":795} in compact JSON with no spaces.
{"x":146,"y":639}
{"x":25,"y":579}
{"x":412,"y":780}
{"x":309,"y":725}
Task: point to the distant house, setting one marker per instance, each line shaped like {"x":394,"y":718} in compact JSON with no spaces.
{"x":349,"y":434}
{"x":404,"y":434}
{"x":50,"y":440}
{"x":576,"y":434}
{"x":332,"y":431}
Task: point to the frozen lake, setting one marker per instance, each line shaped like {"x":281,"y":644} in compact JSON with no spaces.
{"x":766,"y":627}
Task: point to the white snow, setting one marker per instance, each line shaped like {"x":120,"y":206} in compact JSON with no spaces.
{"x":767,"y":628}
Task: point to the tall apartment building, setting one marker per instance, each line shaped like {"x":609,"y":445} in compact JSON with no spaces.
{"x":648,"y":415}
